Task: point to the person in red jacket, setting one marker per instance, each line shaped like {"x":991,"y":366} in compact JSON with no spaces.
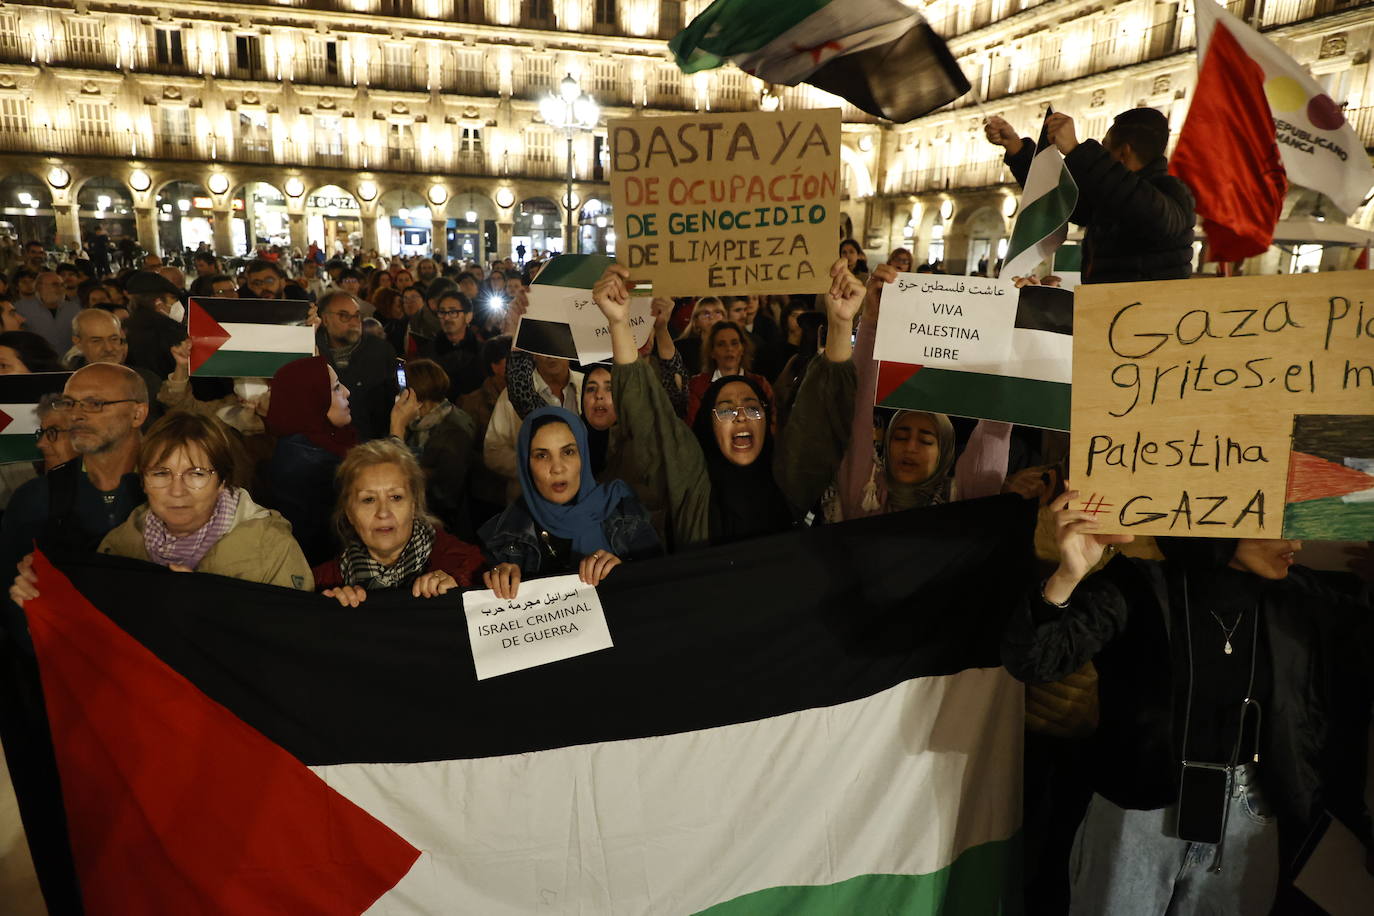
{"x":728,"y":351}
{"x":390,"y":540}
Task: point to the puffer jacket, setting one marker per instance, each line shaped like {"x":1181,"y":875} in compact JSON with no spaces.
{"x":515,"y":537}
{"x":257,"y":548}
{"x":1137,"y":225}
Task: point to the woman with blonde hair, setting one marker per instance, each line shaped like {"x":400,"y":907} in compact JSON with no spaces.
{"x":390,"y":541}
{"x":707,"y":311}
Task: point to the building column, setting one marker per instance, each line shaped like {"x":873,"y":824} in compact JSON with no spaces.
{"x":145,"y":223}
{"x":505,"y":240}
{"x":224,"y":235}
{"x":68,"y":224}
{"x":438,"y":237}
{"x":370,"y":230}
{"x":296,"y":223}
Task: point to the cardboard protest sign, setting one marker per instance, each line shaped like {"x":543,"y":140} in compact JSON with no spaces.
{"x":952,"y":322}
{"x":548,"y":620}
{"x":562,"y":319}
{"x":1227,"y":407}
{"x":728,"y":203}
{"x":1029,"y":385}
{"x":247,"y":337}
{"x":19,"y":395}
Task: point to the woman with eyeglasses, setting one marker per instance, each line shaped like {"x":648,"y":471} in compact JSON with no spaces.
{"x":726,"y":470}
{"x":197,"y":517}
{"x":563,"y":521}
{"x":309,"y":414}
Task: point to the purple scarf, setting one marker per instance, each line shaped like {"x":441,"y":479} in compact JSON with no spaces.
{"x":188,"y":550}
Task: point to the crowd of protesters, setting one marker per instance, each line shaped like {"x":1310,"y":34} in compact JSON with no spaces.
{"x":740,"y":417}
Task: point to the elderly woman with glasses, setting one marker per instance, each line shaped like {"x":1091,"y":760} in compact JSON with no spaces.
{"x":197,"y":518}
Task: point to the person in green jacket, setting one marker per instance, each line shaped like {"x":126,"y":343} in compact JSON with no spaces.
{"x":725,"y":478}
{"x":197,"y":519}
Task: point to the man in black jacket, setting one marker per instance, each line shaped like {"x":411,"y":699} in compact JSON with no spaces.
{"x":365,"y":364}
{"x":1137,"y":218}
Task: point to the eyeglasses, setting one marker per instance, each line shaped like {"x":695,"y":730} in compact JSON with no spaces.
{"x":449,"y":313}
{"x":347,"y":317}
{"x":194,"y":478}
{"x":89,"y":405}
{"x":49,"y":432}
{"x":726,"y":414}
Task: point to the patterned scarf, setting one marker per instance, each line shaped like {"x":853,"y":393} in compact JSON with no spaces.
{"x":359,"y":568}
{"x":166,"y":549}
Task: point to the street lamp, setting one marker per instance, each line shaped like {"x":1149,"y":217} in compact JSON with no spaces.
{"x":570,"y":111}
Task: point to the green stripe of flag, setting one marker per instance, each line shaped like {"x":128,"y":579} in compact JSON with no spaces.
{"x":19,"y":448}
{"x":730,"y":27}
{"x":245,"y":363}
{"x":574,"y":271}
{"x":1030,"y":402}
{"x":981,"y":882}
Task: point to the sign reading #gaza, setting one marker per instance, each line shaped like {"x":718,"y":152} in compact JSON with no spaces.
{"x":728,"y":203}
{"x":1226,"y":407}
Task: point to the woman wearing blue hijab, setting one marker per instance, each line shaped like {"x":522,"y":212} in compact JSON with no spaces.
{"x":563,"y":521}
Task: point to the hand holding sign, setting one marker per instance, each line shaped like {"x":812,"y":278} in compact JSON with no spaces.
{"x":1080,"y":546}
{"x":612,"y":296}
{"x":882,"y":275}
{"x":541,"y":621}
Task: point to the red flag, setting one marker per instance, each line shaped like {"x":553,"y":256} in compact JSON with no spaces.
{"x":1227,"y":153}
{"x":174,"y":805}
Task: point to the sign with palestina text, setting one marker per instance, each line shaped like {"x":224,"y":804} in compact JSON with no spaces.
{"x":728,"y":203}
{"x":1238,"y":407}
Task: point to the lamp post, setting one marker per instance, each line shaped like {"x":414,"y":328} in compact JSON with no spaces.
{"x":570,"y":111}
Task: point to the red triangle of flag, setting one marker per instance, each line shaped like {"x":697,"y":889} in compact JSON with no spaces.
{"x":892,"y":376}
{"x":207,"y":335}
{"x":5,"y":420}
{"x":174,"y":805}
{"x":1311,"y":477}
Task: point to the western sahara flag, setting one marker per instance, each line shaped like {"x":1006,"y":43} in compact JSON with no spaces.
{"x":1032,"y":387}
{"x":19,"y":395}
{"x":237,"y":338}
{"x":1047,"y":201}
{"x":879,"y":55}
{"x":825,"y":729}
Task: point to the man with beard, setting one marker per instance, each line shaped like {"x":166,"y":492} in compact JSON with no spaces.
{"x":366,"y":365}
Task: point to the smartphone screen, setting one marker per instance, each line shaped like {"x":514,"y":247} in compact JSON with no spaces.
{"x":1201,"y":803}
{"x":401,"y":374}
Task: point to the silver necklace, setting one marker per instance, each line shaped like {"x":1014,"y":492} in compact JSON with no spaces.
{"x":1228,"y":631}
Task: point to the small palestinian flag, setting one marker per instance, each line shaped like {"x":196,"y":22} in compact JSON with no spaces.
{"x":1032,"y":387}
{"x":879,"y":55}
{"x":849,"y":744}
{"x":19,"y":396}
{"x":237,"y":338}
{"x":564,"y":321}
{"x":1049,"y":197}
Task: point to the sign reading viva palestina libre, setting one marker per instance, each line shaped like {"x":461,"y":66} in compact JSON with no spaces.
{"x":728,"y":203}
{"x":1226,"y":408}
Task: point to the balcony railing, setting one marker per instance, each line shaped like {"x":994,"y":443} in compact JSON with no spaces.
{"x":403,"y":76}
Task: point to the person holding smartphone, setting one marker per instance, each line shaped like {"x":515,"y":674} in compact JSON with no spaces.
{"x":1213,"y":759}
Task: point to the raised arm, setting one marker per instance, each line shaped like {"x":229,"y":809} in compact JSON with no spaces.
{"x":665,"y":448}
{"x":672,"y":371}
{"x":982,"y":469}
{"x":858,"y":465}
{"x":818,"y":431}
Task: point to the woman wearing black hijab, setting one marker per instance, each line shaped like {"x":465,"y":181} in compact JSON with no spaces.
{"x":726,"y":474}
{"x":1214,"y":756}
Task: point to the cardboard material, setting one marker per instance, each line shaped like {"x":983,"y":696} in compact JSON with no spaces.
{"x":1187,"y":396}
{"x":723,"y":204}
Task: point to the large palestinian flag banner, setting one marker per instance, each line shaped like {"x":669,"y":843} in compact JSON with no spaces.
{"x":253,"y":338}
{"x":825,"y":728}
{"x":1031,"y":387}
{"x":19,"y":396}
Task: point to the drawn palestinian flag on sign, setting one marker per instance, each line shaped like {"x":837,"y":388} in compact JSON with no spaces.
{"x":19,"y":396}
{"x":1331,"y":478}
{"x":236,"y":338}
{"x":1032,"y":388}
{"x":851,"y":744}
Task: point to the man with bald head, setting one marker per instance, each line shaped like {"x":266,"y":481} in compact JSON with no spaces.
{"x":77,"y":504}
{"x":98,"y":337}
{"x":48,"y":312}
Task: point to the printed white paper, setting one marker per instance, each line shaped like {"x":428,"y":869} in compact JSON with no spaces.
{"x":947,"y":321}
{"x":548,"y":620}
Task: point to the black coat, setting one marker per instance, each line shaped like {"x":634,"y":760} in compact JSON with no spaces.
{"x":463,"y":363}
{"x":1123,"y":619}
{"x":370,"y":378}
{"x":151,"y":336}
{"x":1137,"y":225}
